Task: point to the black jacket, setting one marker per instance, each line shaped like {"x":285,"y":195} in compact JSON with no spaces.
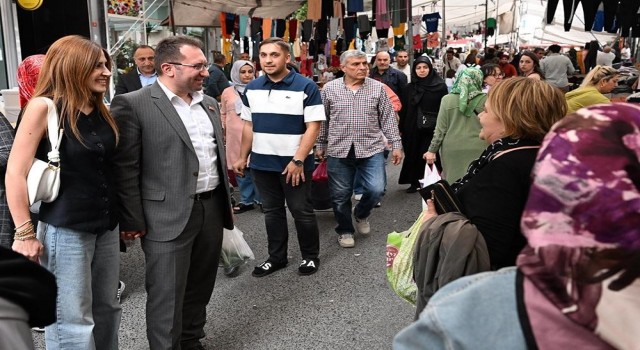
{"x":128,"y":82}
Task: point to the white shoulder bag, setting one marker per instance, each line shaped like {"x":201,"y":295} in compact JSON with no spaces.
{"x":43,"y":181}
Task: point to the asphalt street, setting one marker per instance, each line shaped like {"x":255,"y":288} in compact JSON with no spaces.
{"x":347,"y":304}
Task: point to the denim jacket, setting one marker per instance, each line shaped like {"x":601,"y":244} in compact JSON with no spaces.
{"x":457,"y":316}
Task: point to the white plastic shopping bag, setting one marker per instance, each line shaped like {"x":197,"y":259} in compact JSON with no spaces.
{"x":431,"y":176}
{"x":235,"y":250}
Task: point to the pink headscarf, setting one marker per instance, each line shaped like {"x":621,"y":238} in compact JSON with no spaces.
{"x":28,"y":72}
{"x":585,"y":202}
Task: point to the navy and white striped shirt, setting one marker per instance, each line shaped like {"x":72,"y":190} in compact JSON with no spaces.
{"x":279,"y":111}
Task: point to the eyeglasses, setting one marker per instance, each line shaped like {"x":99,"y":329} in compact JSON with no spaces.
{"x":498,"y":75}
{"x":199,"y":66}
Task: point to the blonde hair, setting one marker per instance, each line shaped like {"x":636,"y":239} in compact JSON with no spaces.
{"x":67,"y":67}
{"x":527,"y":107}
{"x":598,"y":74}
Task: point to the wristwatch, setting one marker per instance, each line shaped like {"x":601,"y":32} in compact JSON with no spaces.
{"x":297,"y":162}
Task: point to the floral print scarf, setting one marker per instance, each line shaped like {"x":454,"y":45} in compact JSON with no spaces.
{"x":582,"y":223}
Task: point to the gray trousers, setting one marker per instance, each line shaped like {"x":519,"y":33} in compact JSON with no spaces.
{"x":15,"y":332}
{"x":180,"y":276}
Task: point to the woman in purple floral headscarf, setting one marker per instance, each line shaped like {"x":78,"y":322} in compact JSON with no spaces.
{"x":577,"y":282}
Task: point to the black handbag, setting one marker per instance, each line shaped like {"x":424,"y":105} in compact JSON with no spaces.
{"x":444,"y":198}
{"x":426,"y":120}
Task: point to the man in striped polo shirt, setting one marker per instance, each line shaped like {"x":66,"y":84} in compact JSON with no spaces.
{"x":282,"y":112}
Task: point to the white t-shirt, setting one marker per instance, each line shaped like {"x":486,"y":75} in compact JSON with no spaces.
{"x":605,"y":59}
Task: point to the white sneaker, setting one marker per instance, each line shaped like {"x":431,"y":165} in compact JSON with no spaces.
{"x":362,"y":226}
{"x":357,"y":197}
{"x":346,"y":240}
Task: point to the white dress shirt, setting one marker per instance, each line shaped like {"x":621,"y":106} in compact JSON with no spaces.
{"x":200,"y":129}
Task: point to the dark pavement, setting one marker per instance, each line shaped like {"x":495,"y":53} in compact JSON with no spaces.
{"x":347,"y":304}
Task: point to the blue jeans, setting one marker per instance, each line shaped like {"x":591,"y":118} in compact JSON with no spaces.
{"x":274,"y":192}
{"x":86,"y":267}
{"x":342,"y":173}
{"x":248,"y":192}
{"x":357,"y":183}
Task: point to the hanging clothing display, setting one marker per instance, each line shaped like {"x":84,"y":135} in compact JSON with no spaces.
{"x":349,"y":24}
{"x":338,"y":9}
{"x":589,"y":8}
{"x":399,"y":29}
{"x":307,"y":30}
{"x":280,"y":27}
{"x":491,"y":26}
{"x":242,"y":25}
{"x":629,"y":17}
{"x":256,"y":26}
{"x":267,"y":24}
{"x":333,"y":27}
{"x":321,"y":32}
{"x":381,"y":13}
{"x":431,"y":21}
{"x":314,"y":9}
{"x":327,"y":9}
{"x":399,"y":42}
{"x":432,"y":39}
{"x":417,"y":42}
{"x":398,"y":9}
{"x":355,"y":5}
{"x":382,"y":33}
{"x":293,"y":30}
{"x":229,"y":22}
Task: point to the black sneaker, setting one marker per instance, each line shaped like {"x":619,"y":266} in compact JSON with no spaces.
{"x":267,"y":268}
{"x":308,"y":267}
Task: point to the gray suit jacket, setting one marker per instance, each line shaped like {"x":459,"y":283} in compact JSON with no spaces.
{"x":156,"y":167}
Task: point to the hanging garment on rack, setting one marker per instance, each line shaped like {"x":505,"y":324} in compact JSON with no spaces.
{"x":349,"y":28}
{"x":293,"y":30}
{"x":280,"y":27}
{"x":314,"y":9}
{"x":431,"y":21}
{"x":338,"y":9}
{"x":355,"y":5}
{"x":307,"y":30}
{"x":242,"y":26}
{"x":267,"y":24}
{"x":333,"y":28}
{"x":381,"y":13}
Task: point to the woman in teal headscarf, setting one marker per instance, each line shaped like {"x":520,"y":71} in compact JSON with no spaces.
{"x":456,"y":135}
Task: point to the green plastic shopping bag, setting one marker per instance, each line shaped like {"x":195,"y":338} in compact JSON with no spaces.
{"x":400,"y":248}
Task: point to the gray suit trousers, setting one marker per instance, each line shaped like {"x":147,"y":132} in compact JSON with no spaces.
{"x":180,"y":276}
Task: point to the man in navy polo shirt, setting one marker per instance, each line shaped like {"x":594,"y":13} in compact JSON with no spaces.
{"x":282,"y":112}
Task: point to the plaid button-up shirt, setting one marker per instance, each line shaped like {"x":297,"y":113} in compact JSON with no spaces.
{"x":361,"y":118}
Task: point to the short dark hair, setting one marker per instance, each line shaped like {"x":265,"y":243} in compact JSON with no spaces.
{"x":277,"y":41}
{"x":168,"y":50}
{"x":538,"y":49}
{"x":143,"y":47}
{"x":218,"y":58}
{"x":555,"y":48}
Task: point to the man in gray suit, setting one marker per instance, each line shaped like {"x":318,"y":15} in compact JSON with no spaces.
{"x":170,"y":170}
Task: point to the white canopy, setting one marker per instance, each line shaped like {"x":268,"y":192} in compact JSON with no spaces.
{"x":205,"y":13}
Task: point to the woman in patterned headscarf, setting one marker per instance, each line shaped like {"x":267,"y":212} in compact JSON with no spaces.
{"x":457,"y":129}
{"x":577,"y":282}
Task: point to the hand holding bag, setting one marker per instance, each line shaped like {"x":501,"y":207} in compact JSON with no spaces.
{"x":43,"y":181}
{"x":320,"y":174}
{"x":235,"y":250}
{"x":444,"y":198}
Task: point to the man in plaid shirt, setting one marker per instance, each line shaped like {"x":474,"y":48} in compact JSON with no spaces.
{"x":359,"y":116}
